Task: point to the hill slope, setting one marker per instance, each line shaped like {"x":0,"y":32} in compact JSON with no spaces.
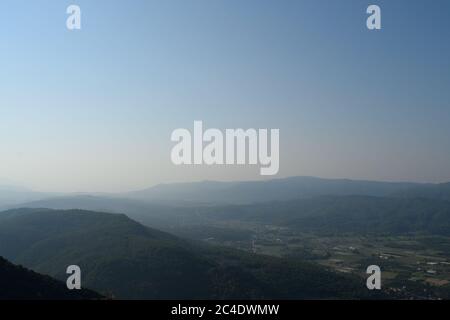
{"x":152,"y":214}
{"x":121,"y":258}
{"x":18,"y":283}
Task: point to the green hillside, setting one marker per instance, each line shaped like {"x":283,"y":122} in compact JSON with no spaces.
{"x":123,"y":259}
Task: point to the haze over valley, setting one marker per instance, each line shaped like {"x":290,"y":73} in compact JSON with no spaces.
{"x":240,"y":239}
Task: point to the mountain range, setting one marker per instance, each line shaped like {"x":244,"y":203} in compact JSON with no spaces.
{"x":270,"y":190}
{"x":121,"y":243}
{"x":330,"y":206}
{"x":246,"y":192}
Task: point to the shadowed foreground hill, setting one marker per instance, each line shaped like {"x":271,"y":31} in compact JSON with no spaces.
{"x":123,"y":259}
{"x":18,"y":283}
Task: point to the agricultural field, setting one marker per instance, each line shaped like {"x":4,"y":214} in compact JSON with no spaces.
{"x":413,"y":266}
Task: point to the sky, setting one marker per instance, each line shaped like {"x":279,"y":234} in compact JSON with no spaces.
{"x":94,"y":109}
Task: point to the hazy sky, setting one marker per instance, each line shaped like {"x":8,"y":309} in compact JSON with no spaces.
{"x":93,"y":110}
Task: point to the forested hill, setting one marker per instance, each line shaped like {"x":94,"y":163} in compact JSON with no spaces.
{"x":123,"y":259}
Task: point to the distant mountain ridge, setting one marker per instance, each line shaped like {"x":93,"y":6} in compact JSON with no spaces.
{"x":175,"y":206}
{"x":243,"y":192}
{"x":11,"y":196}
{"x":269,"y":190}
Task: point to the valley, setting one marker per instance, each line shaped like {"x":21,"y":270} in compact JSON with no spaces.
{"x":122,"y":259}
{"x":413,"y":266}
{"x":294,"y":238}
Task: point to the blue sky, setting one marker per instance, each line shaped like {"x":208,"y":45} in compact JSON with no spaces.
{"x":93,"y":110}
